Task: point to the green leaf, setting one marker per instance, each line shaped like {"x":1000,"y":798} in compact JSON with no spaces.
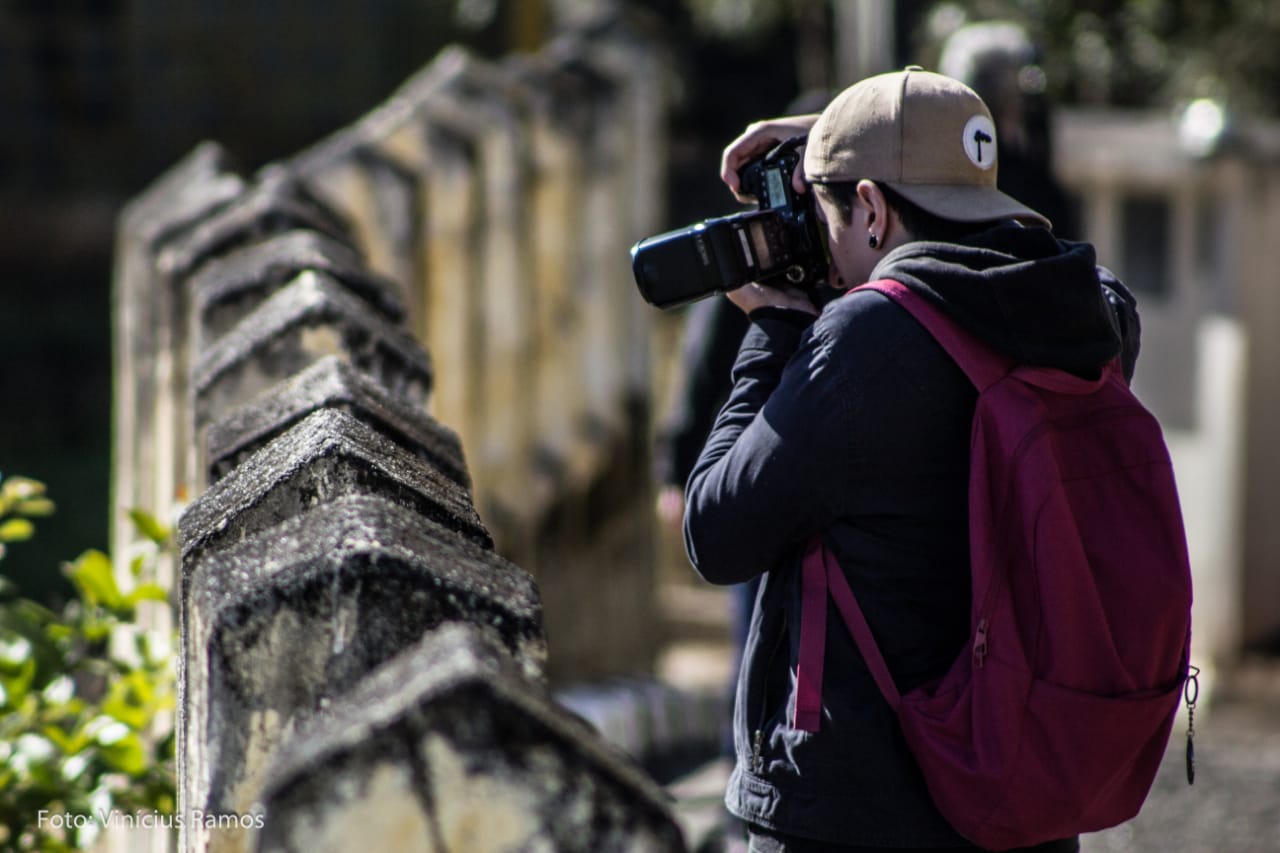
{"x":96,"y":631}
{"x":149,"y":527}
{"x":16,"y":530}
{"x":147,"y":592}
{"x":17,"y":681}
{"x":80,"y":739}
{"x":58,"y":632}
{"x":125,"y":753}
{"x":36,"y":508}
{"x":67,"y":744}
{"x":22,"y":488}
{"x":131,"y":700}
{"x":93,"y":578}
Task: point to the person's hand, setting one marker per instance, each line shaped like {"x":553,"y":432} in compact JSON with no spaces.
{"x":751,"y":296}
{"x":670,"y":506}
{"x":758,"y":138}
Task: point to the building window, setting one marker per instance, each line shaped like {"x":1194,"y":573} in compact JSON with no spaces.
{"x":1144,"y":247}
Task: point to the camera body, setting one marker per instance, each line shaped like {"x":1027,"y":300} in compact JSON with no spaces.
{"x":780,"y":244}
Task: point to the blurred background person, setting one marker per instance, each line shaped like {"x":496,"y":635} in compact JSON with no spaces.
{"x":999,"y":61}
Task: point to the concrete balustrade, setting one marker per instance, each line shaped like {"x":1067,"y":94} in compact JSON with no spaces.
{"x":333,"y":383}
{"x":508,"y":193}
{"x":397,"y":386}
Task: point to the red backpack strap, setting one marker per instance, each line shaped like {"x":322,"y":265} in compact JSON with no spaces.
{"x":980,"y":363}
{"x":842,"y":595}
{"x":807,"y":713}
{"x":820,"y":574}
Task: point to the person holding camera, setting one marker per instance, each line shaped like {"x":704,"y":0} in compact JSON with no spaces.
{"x":850,"y":422}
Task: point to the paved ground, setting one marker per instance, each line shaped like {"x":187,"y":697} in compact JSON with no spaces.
{"x":1233,"y":807}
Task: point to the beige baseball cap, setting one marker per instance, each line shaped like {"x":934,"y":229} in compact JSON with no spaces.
{"x":929,"y":137}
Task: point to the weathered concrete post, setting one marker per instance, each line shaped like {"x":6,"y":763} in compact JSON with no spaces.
{"x":447,"y":747}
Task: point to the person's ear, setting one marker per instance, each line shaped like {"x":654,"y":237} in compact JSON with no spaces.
{"x":873,"y":201}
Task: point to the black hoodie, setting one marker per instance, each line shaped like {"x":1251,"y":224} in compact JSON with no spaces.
{"x":855,"y":427}
{"x":1034,"y":298}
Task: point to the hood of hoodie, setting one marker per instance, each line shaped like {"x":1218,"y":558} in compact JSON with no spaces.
{"x":1037,"y":299}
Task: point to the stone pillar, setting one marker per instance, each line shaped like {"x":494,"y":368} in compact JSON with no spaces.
{"x":333,"y":383}
{"x":283,"y":623}
{"x":1260,"y":303}
{"x":225,"y":292}
{"x":313,"y":316}
{"x":449,"y":747}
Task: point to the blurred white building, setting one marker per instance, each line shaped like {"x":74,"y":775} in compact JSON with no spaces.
{"x":1186,"y":209}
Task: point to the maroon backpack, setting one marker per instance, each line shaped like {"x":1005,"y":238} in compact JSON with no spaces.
{"x":1055,"y":718}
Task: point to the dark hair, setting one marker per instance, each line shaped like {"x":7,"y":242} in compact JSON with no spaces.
{"x":922,"y":224}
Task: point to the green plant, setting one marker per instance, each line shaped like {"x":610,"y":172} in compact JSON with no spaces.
{"x":21,"y":499}
{"x":86,"y":694}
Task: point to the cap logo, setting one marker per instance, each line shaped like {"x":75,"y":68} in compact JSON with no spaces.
{"x":980,"y":141}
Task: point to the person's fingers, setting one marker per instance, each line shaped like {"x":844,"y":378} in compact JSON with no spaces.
{"x":758,"y":138}
{"x":797,"y":176}
{"x":751,"y":296}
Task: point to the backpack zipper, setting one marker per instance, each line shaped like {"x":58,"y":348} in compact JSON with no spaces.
{"x":980,"y":644}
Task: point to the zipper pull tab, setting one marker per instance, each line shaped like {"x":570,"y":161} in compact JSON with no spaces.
{"x":1191,"y":692}
{"x":980,"y":643}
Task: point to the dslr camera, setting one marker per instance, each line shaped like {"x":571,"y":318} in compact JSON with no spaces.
{"x":780,"y":244}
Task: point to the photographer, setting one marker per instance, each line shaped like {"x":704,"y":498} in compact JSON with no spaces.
{"x":852,"y":423}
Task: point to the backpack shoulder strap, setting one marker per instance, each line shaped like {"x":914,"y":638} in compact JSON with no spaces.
{"x":980,"y":363}
{"x":983,"y":365}
{"x":823,"y":580}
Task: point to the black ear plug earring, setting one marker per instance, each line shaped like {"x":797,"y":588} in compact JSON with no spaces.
{"x":872,"y":241}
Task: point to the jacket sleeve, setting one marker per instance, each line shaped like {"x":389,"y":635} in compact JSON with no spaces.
{"x":758,"y":485}
{"x":1125,"y":308}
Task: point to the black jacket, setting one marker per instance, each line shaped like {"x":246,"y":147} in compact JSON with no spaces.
{"x":856,"y":426}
